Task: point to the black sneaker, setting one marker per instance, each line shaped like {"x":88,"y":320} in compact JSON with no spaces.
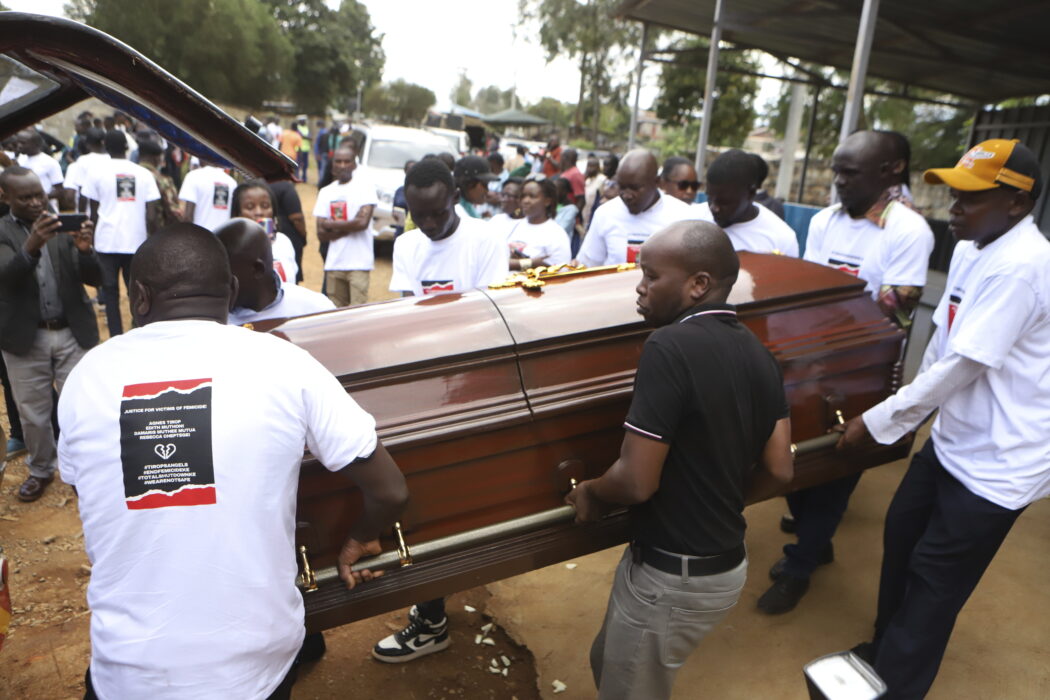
{"x":787,"y":524}
{"x":783,"y":595}
{"x":866,"y":652}
{"x":419,"y":638}
{"x":826,"y":557}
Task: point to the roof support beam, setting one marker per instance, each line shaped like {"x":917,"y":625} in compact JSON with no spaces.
{"x":859,"y":72}
{"x":638,"y":87}
{"x":709,"y":89}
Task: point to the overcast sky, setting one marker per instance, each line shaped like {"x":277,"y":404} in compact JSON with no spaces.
{"x":428,"y":43}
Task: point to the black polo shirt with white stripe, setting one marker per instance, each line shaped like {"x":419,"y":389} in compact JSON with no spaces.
{"x":709,"y":388}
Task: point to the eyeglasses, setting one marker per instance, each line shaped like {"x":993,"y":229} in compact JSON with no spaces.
{"x":687,"y":184}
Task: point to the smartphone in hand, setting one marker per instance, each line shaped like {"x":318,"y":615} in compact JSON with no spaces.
{"x":71,"y":223}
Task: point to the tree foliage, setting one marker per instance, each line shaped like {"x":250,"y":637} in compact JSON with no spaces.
{"x":228,"y":50}
{"x":248,"y":51}
{"x":460,"y":94}
{"x":936,"y":132}
{"x":588,"y":32}
{"x":490,"y":99}
{"x":335,"y":50}
{"x":682,"y":91}
{"x":399,"y":102}
{"x":558,"y":113}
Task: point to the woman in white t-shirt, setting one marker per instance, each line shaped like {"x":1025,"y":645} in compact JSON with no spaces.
{"x":537,"y":239}
{"x":255,"y":200}
{"x":510,"y":204}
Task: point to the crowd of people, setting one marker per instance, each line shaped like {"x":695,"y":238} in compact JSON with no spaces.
{"x":201,"y":254}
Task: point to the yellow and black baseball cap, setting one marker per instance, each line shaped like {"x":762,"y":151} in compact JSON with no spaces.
{"x":991,"y":164}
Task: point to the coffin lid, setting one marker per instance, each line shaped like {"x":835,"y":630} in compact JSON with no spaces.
{"x":418,"y":331}
{"x":51,"y":63}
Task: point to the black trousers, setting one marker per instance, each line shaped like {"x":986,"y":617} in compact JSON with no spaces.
{"x":432,"y":610}
{"x":282,"y":692}
{"x":9,"y":400}
{"x":939,"y":539}
{"x":817,"y":512}
{"x":113,"y":266}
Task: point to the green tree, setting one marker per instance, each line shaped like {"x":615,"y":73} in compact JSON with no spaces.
{"x":588,"y":32}
{"x":489,"y":100}
{"x":399,"y":102}
{"x":225,"y":49}
{"x":460,"y":94}
{"x":558,"y":113}
{"x":936,"y":132}
{"x":682,"y":90}
{"x":334,"y":50}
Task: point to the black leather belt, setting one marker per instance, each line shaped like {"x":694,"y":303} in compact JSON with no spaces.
{"x":696,"y":566}
{"x":55,"y":324}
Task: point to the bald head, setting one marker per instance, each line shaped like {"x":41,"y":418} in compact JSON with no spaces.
{"x":251,"y":261}
{"x":684,"y":265}
{"x":637,"y":177}
{"x":700,"y":246}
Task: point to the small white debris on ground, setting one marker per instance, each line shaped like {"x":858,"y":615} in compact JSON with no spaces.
{"x":558,"y":686}
{"x":506,"y":661}
{"x":477,"y":638}
{"x":570,"y":567}
{"x":488,"y":641}
{"x":486,"y":628}
{"x":470,"y":608}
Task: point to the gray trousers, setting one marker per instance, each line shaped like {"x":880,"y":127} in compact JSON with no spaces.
{"x":653,"y":623}
{"x":46,"y":365}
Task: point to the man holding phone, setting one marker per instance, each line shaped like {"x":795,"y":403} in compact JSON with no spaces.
{"x":46,"y":321}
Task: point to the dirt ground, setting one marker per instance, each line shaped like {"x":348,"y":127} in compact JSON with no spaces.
{"x":48,"y":649}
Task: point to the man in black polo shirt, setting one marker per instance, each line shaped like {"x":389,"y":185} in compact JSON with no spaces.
{"x":708,"y":427}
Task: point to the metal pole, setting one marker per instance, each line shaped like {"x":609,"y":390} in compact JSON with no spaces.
{"x":709,"y":90}
{"x":790,"y":144}
{"x":638,"y":87}
{"x":859,"y":73}
{"x":809,"y":141}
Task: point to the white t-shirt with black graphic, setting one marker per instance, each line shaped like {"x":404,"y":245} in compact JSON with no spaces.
{"x":284,"y":258}
{"x":896,"y":255}
{"x":616,"y":235}
{"x":341,"y":202}
{"x":547,"y":240}
{"x":184,"y":445}
{"x":122,"y":190}
{"x":211,"y":191}
{"x":469,"y":258}
{"x":292,"y":300}
{"x":766,"y":233}
{"x":992,"y":434}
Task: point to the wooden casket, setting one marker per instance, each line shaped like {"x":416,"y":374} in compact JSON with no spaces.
{"x":494,"y":400}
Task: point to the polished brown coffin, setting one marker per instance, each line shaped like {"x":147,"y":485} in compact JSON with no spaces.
{"x":491,"y":401}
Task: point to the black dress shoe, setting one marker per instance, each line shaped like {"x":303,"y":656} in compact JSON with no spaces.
{"x":33,"y":488}
{"x":826,"y":557}
{"x":783,"y":595}
{"x":787,"y":524}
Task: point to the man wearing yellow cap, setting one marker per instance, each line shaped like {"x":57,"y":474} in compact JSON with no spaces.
{"x":987,"y":371}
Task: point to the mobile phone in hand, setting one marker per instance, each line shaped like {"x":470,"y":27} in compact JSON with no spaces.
{"x":71,"y":222}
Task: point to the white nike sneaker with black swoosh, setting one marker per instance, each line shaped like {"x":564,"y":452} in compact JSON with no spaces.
{"x":419,"y":638}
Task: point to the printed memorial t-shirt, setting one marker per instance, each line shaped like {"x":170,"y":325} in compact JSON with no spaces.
{"x":616,"y":235}
{"x":991,"y":435}
{"x":122,"y":190}
{"x":547,"y":240}
{"x":186,"y":463}
{"x":45,"y":167}
{"x":284,"y":258}
{"x":210,"y":189}
{"x":897,"y":254}
{"x":471,"y":257}
{"x":292,"y":300}
{"x":766,"y":233}
{"x":341,"y":202}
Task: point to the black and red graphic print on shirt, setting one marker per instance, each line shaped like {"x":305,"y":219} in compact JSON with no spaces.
{"x":850,"y":268}
{"x":634,"y":245}
{"x":221,"y":198}
{"x":125,"y":188}
{"x":165,"y":444}
{"x":953,"y":307}
{"x":435,"y":286}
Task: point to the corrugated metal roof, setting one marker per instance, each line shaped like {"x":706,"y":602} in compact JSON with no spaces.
{"x":984,"y":51}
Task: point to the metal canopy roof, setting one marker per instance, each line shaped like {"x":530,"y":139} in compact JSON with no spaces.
{"x":985,"y":51}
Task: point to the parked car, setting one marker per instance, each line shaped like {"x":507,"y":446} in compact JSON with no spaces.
{"x":457,"y":142}
{"x":383,"y":151}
